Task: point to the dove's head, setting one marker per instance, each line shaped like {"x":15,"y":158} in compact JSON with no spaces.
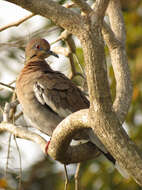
{"x":40,"y":48}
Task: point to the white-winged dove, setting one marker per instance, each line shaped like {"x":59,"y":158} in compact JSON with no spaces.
{"x":48,"y":96}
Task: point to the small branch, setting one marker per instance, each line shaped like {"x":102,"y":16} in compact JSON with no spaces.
{"x":20,"y":162}
{"x":21,"y":132}
{"x":18,"y":115}
{"x":7,"y":108}
{"x":66,"y":178}
{"x":61,"y":50}
{"x":68,"y":52}
{"x":7,"y":85}
{"x":6,"y":112}
{"x":8,"y":156}
{"x":116,"y":43}
{"x":17,"y":23}
{"x":77,"y":176}
{"x":63,"y":17}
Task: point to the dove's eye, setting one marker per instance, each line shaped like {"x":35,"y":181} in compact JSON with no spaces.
{"x":38,"y":46}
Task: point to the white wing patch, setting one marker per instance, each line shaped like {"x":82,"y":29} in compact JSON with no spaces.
{"x":43,"y":99}
{"x":39,"y":90}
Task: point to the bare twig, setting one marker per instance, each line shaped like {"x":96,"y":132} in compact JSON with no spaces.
{"x":68,"y":52}
{"x":13,"y":105}
{"x":66,"y":178}
{"x":76,"y":176}
{"x":20,"y":162}
{"x":7,"y":85}
{"x":8,"y":155}
{"x":17,"y":23}
{"x":18,"y":115}
{"x":6,"y":112}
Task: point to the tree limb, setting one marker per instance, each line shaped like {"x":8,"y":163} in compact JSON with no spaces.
{"x":62,"y":16}
{"x":17,"y":23}
{"x":24,"y":133}
{"x":119,"y":60}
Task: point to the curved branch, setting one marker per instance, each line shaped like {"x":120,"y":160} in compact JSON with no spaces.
{"x":116,"y":45}
{"x":62,"y":16}
{"x":59,"y":147}
{"x":116,"y":20}
{"x":72,"y":154}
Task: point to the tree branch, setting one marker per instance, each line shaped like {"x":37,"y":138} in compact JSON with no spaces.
{"x":119,"y":60}
{"x":62,"y":16}
{"x":59,"y":147}
{"x":85,"y":8}
{"x":100,"y":8}
{"x":17,"y":23}
{"x":72,"y":154}
{"x":23,"y":133}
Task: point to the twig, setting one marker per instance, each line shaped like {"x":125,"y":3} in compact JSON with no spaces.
{"x":17,"y":23}
{"x":66,"y":178}
{"x":6,"y":112}
{"x":18,"y":115}
{"x":13,"y":105}
{"x":7,"y":85}
{"x":68,"y":52}
{"x":80,"y":66}
{"x":24,"y":133}
{"x":76,"y":176}
{"x":20,"y":162}
{"x":8,"y":155}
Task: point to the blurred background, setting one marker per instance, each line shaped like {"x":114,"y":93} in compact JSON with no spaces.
{"x":38,"y":171}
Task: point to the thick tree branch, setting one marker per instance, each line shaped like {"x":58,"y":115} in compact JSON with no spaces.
{"x":72,"y":154}
{"x":119,"y":61}
{"x":59,"y":148}
{"x":62,"y":16}
{"x":116,"y":20}
{"x":103,"y":121}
